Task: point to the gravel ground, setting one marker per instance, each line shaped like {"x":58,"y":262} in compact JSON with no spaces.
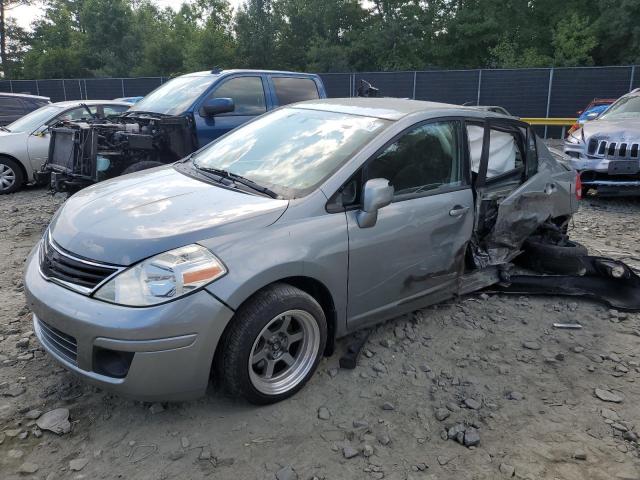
{"x":487,"y":368}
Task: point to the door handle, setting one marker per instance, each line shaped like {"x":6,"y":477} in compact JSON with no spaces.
{"x":458,"y":211}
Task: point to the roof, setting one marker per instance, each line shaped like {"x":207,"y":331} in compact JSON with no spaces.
{"x":216,"y":73}
{"x":24,"y":95}
{"x":73,"y":103}
{"x":379,"y":107}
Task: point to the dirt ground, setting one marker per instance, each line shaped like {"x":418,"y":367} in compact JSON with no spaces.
{"x":493,"y":363}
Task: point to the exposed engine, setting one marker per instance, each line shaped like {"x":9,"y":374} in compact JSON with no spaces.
{"x":83,"y":153}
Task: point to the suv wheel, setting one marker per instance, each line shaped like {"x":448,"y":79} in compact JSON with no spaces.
{"x":11,"y":177}
{"x":274,"y":345}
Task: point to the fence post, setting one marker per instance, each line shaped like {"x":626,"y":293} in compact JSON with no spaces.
{"x":415,"y":74}
{"x":633,"y":74}
{"x":11,"y":85}
{"x":479,"y":86}
{"x":122,"y":84}
{"x":37,"y":87}
{"x":86,"y":97}
{"x":353,"y":83}
{"x":549,"y":99}
{"x":64,"y":90}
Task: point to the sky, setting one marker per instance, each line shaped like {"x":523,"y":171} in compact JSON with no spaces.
{"x":25,"y":14}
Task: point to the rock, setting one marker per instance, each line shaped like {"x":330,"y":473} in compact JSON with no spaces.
{"x":577,"y":349}
{"x":367,"y":451}
{"x":471,"y":437}
{"x":507,"y":470}
{"x":349,"y":452}
{"x":360,"y":424}
{"x":28,"y":467}
{"x":379,"y":368}
{"x":530,"y":345}
{"x":503,"y":370}
{"x":176,"y":455}
{"x":614,"y":357}
{"x":453,"y":432}
{"x":324,"y":413}
{"x":580,"y":455}
{"x":33,"y":414}
{"x":156,"y":408}
{"x":205,"y":454}
{"x":22,"y":343}
{"x":442,"y":414}
{"x":333,"y":372}
{"x":386,"y":343}
{"x":453,"y":407}
{"x":621,"y":368}
{"x":630,"y":436}
{"x":442,"y":460}
{"x":384,"y":439}
{"x":286,"y":473}
{"x":472,"y":403}
{"x":14,"y":391}
{"x":425,"y":368}
{"x":609,"y":414}
{"x":56,"y":421}
{"x":607,"y":396}
{"x":516,"y":396}
{"x":388,"y":406}
{"x":184,"y":442}
{"x":78,"y":464}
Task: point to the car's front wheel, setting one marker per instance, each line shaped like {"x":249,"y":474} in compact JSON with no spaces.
{"x":274,"y":345}
{"x":11,"y":177}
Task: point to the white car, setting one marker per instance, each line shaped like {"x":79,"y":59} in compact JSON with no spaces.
{"x":24,"y":144}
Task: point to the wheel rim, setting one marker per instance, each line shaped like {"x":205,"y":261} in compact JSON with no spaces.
{"x":284,"y":352}
{"x":7,"y":177}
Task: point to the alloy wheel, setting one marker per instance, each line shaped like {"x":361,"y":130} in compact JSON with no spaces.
{"x":7,"y":177}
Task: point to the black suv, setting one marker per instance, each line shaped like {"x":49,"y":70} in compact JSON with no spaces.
{"x":15,"y":105}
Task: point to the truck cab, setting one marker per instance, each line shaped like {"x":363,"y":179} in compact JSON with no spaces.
{"x":253,"y":93}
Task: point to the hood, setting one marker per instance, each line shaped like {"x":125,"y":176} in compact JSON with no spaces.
{"x":127,"y":219}
{"x":623,"y":130}
{"x":5,"y":134}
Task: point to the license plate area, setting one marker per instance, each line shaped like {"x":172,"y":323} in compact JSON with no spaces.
{"x":622,"y":167}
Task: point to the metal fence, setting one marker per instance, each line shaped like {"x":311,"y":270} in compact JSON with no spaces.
{"x":530,"y":92}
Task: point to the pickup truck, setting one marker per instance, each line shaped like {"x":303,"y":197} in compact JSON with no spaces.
{"x":176,"y":119}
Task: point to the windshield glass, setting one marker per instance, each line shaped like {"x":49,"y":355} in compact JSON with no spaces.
{"x":626,"y":107}
{"x":292,"y":150}
{"x":175,"y":96}
{"x":35,"y":119}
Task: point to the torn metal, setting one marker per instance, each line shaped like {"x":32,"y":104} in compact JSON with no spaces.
{"x":605,"y":280}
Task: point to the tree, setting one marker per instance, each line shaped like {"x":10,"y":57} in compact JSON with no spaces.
{"x":256,"y":28}
{"x":8,"y":31}
{"x":573,"y":41}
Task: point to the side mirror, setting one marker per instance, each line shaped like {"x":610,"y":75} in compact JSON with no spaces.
{"x":592,"y":115}
{"x":377,"y":193}
{"x":216,"y":106}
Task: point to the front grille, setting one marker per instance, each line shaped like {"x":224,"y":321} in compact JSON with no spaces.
{"x":64,"y":345}
{"x":613,"y":150}
{"x":56,"y":264}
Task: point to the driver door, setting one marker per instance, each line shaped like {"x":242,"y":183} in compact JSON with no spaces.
{"x":414,"y":253}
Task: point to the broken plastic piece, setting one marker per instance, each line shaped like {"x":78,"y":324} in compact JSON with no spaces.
{"x":568,"y":326}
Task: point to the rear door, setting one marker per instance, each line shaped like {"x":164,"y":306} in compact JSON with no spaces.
{"x":289,"y":89}
{"x":414,"y":253}
{"x":250,"y":100}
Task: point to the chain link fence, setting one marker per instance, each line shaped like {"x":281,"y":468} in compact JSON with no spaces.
{"x":529,"y":92}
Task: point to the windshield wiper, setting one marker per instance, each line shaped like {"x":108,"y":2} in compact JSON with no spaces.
{"x":238,"y":179}
{"x":4,"y":129}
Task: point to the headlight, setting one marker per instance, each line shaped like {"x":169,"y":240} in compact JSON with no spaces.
{"x":162,"y":278}
{"x":575,"y":136}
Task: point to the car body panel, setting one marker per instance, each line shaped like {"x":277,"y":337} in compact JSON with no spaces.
{"x":413,"y":256}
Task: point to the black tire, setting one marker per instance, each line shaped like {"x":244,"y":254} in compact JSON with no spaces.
{"x":549,"y":258}
{"x":143,"y":165}
{"x":11,"y":176}
{"x":244,"y":333}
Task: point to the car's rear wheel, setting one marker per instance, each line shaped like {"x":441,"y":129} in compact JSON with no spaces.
{"x":11,"y":176}
{"x":562,"y":257}
{"x":274,"y":345}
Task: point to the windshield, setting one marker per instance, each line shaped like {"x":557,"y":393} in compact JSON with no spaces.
{"x":292,"y":150}
{"x":626,"y":107}
{"x":175,"y":96}
{"x":35,"y":119}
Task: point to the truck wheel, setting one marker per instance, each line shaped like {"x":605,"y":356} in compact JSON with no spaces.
{"x":274,"y":345}
{"x":11,"y":176}
{"x":561,"y":259}
{"x":143,"y":165}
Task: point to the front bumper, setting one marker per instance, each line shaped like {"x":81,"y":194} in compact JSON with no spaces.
{"x":172,"y":345}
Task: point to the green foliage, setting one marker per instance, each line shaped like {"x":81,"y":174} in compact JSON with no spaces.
{"x":77,"y":38}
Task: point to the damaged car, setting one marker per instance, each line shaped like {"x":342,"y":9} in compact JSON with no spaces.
{"x":171,"y":122}
{"x":606,"y":150}
{"x":248,"y":259}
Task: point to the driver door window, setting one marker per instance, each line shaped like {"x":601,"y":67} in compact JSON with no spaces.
{"x":425,"y":159}
{"x":247,"y":94}
{"x":79,"y":113}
